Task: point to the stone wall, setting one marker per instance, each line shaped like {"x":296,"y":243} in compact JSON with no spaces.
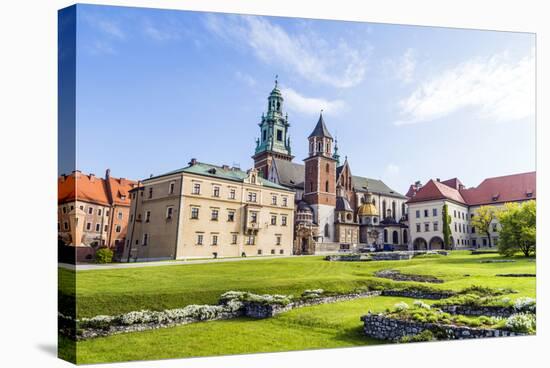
{"x":491,"y":311}
{"x":385,"y":328}
{"x":419,"y":293}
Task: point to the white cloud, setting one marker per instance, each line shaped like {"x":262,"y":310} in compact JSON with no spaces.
{"x":311,"y":105}
{"x":496,"y":87}
{"x":159,"y":34}
{"x":104,"y":25}
{"x":406,"y":66}
{"x":392,"y":169}
{"x":245,"y":78}
{"x":307,"y":54}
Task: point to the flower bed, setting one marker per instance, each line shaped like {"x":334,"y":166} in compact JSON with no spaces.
{"x":398,"y":276}
{"x":516,"y":275}
{"x":384,"y":256}
{"x":475,"y":305}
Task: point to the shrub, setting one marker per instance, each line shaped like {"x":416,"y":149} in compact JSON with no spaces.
{"x":421,"y":304}
{"x":525,"y":304}
{"x":521,"y":322}
{"x":425,"y":335}
{"x":401,"y":307}
{"x":313,"y":294}
{"x":104,"y":255}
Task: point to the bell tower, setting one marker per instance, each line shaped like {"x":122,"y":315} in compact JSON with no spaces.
{"x":320,"y":179}
{"x":274,"y":141}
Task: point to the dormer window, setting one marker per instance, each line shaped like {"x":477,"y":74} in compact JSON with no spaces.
{"x":529,"y":194}
{"x":495,"y":197}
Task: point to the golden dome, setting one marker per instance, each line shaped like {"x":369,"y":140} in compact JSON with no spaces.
{"x":367,"y":209}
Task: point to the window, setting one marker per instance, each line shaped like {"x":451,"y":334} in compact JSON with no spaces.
{"x":119,"y":215}
{"x":106,"y":228}
{"x":231,"y":216}
{"x":283,"y":220}
{"x":474,"y":242}
{"x":99,"y":211}
{"x":494,"y":227}
{"x":64,"y":209}
{"x":231,"y":193}
{"x":214,"y":216}
{"x":250,"y":240}
{"x":214,"y":240}
{"x":473,"y":229}
{"x":147,"y":216}
{"x":106,"y":213}
{"x":196,"y":188}
{"x":216,"y":191}
{"x":273,"y":219}
{"x":326,"y":186}
{"x":259,"y":252}
{"x":418,"y":228}
{"x":281,"y":251}
{"x":199,"y":239}
{"x":285,"y":201}
{"x":463,"y":215}
{"x":278,"y":240}
{"x":327,"y":231}
{"x":150,"y":192}
{"x":434,"y":212}
{"x":253,"y":217}
{"x":169,"y":212}
{"x":427,"y":227}
{"x":194,"y":213}
{"x":417,"y":213}
{"x":234,"y":239}
{"x":454,"y":213}
{"x":171,"y":187}
{"x":279,"y":135}
{"x":272,"y":251}
{"x":455,"y":228}
{"x":436,"y":226}
{"x":251,"y":197}
{"x":274,"y":200}
{"x":66,"y":225}
{"x":90,"y":210}
{"x":97,"y":227}
{"x":118,"y":228}
{"x":484,"y":241}
{"x":426,"y":214}
{"x":327,"y":168}
{"x":89,"y":226}
{"x":264,"y":135}
{"x":82,"y":208}
{"x":145,"y":239}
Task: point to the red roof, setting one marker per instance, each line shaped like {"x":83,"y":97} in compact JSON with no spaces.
{"x":411,"y":192}
{"x":89,"y":188}
{"x":434,"y":190}
{"x":500,"y":189}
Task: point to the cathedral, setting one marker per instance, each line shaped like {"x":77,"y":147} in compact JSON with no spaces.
{"x":334,"y":210}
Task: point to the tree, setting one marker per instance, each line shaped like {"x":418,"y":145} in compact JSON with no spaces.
{"x":518,"y":229}
{"x":483,"y":218}
{"x":446,"y":226}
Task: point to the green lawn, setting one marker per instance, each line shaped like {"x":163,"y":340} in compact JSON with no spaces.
{"x":123,"y":290}
{"x":324,"y":326}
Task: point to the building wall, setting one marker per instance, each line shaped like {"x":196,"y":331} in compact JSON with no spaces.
{"x":179,"y":237}
{"x":379,"y":200}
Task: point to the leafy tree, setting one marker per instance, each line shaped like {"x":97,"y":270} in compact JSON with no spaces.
{"x":518,"y":229}
{"x":446,"y":226}
{"x":483,"y":218}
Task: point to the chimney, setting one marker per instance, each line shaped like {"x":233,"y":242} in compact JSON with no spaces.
{"x":438,"y":180}
{"x":92,"y":178}
{"x":193,"y":162}
{"x":225,"y":167}
{"x":107,"y":174}
{"x":63,"y":178}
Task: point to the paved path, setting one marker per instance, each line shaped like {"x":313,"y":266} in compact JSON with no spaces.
{"x":111,"y":266}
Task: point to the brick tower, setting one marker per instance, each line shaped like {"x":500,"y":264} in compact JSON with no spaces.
{"x":320,"y":179}
{"x":274,"y":141}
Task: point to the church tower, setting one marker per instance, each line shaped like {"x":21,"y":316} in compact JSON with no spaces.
{"x":320,"y":179}
{"x":274,"y":141}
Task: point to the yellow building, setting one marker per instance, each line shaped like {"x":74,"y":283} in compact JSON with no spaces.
{"x":205,"y":211}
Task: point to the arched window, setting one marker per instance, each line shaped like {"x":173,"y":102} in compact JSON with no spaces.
{"x":393,"y":213}
{"x":319,"y":147}
{"x":311,"y":186}
{"x":328,"y":148}
{"x":405,"y":237}
{"x":327,"y":167}
{"x":374,"y":201}
{"x":403,"y":209}
{"x":327,"y":231}
{"x":385,"y":236}
{"x":395,"y":237}
{"x":384,"y":214}
{"x":326,"y":186}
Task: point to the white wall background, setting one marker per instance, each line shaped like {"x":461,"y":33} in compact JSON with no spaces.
{"x":28,"y":186}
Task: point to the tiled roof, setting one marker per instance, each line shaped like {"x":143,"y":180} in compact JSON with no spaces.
{"x":292,"y":175}
{"x":220,"y":172}
{"x":502,"y":189}
{"x":434,"y":190}
{"x":411,"y":192}
{"x":90,"y":188}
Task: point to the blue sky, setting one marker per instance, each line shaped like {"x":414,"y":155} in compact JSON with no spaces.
{"x":158,"y":87}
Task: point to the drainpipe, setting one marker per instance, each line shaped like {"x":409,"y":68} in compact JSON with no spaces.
{"x":133,"y":221}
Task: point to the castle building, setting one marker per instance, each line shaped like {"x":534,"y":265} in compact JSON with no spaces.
{"x":426,"y":209}
{"x":335,"y":210}
{"x":93,"y":212}
{"x":205,"y":211}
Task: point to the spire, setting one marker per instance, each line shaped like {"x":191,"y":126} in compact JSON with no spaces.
{"x":320,"y":129}
{"x":336,"y":156}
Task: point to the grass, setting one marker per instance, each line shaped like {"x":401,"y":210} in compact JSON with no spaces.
{"x":324,"y":326}
{"x":117,"y":291}
{"x":317,"y":327}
